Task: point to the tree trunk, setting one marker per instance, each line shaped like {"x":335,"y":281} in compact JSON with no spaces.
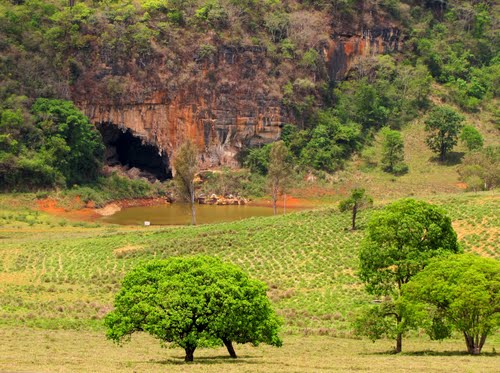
{"x":474,"y":346}
{"x":442,"y":153}
{"x":399,"y":343}
{"x":193,"y":209}
{"x":230,"y":348}
{"x":275,"y":201}
{"x":189,"y":353}
{"x":354,"y":212}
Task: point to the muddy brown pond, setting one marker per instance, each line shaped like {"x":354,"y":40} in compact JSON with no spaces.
{"x":180,"y":214}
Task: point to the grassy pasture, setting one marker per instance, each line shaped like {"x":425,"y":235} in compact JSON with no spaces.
{"x":76,"y":351}
{"x":58,"y":280}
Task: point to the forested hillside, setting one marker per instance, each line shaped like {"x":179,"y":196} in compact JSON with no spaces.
{"x":325,"y":76}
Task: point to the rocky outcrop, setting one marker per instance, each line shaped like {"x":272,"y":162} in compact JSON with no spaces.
{"x":346,"y":49}
{"x":223,"y":98}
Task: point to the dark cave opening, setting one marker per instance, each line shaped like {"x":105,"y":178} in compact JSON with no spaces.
{"x":125,"y":150}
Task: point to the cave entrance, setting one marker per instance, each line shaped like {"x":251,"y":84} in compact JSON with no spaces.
{"x":134,"y":156}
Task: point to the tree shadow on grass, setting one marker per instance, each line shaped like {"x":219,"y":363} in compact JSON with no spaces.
{"x":209,"y":360}
{"x":452,"y":159}
{"x":447,"y":353}
{"x":431,"y":353}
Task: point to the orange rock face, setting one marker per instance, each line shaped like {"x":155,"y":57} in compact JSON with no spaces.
{"x":222,"y":102}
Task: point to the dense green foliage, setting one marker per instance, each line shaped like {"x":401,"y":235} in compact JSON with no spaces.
{"x":460,"y":49}
{"x":193,"y":302}
{"x":100,"y":48}
{"x":52,"y":145}
{"x":401,"y":239}
{"x":472,"y":138}
{"x":393,"y":152}
{"x":443,"y":126}
{"x":460,"y":292}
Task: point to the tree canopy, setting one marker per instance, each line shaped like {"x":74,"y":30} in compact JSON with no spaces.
{"x":444,"y":125}
{"x":401,"y":239}
{"x":393,"y":152}
{"x":192,"y":302}
{"x":52,"y":144}
{"x":472,"y":138}
{"x":356,"y":201}
{"x":460,"y":292}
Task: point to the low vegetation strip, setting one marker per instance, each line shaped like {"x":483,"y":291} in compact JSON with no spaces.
{"x":66,"y":277}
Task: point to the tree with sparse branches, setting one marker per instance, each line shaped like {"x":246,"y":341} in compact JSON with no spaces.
{"x":357,"y":200}
{"x":193,"y":302}
{"x":401,"y":239}
{"x":279,"y":170}
{"x":186,"y":168}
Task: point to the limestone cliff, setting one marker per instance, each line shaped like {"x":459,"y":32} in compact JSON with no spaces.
{"x":223,"y":96}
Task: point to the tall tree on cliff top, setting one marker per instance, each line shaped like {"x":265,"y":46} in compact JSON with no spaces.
{"x":186,"y":167}
{"x":278,"y":173}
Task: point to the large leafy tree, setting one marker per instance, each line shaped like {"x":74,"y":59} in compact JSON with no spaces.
{"x":186,"y":168}
{"x":400,"y":241}
{"x":444,"y":126}
{"x":357,"y":200}
{"x":192,"y":302}
{"x":460,"y":292}
{"x":70,"y":143}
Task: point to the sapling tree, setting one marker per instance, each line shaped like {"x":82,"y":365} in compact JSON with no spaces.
{"x":192,"y":302}
{"x":357,"y":200}
{"x":186,"y":167}
{"x":401,"y":239}
{"x":460,"y":292}
{"x":278,"y":174}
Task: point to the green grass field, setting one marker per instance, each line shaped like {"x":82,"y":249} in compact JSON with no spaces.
{"x":58,"y":280}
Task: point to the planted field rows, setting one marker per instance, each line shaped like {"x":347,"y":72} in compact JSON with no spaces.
{"x":66,"y":277}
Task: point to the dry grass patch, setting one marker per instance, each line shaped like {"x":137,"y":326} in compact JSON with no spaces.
{"x":127,"y":250}
{"x":24,"y":349}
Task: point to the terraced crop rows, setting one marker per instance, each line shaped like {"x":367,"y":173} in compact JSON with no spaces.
{"x":66,"y":277}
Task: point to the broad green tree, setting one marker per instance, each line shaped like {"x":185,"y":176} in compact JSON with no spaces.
{"x":393,"y":152}
{"x":401,"y":239}
{"x":278,"y":174}
{"x":472,"y":138}
{"x":192,"y":302}
{"x":186,"y":168}
{"x":71,"y":143}
{"x":460,"y":292}
{"x":357,"y":200}
{"x":443,"y":125}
